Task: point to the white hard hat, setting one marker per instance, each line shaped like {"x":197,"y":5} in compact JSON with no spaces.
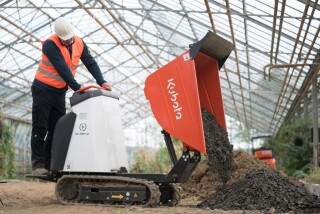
{"x":63,"y":28}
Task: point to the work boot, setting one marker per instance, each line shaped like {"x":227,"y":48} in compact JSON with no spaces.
{"x":40,"y":171}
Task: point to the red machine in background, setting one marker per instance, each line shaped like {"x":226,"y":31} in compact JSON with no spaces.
{"x":263,"y":153}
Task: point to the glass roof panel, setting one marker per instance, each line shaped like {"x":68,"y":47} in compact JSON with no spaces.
{"x":259,"y":87}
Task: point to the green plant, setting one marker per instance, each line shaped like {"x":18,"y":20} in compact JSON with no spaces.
{"x":299,"y":174}
{"x":7,"y":166}
{"x":314,"y":177}
{"x":155,"y":161}
{"x":292,"y":148}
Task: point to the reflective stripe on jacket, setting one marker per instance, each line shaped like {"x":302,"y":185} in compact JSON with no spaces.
{"x":47,"y":74}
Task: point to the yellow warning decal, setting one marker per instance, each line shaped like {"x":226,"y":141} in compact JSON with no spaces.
{"x":117,"y":196}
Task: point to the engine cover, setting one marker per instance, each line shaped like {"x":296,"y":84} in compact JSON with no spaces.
{"x":96,"y":142}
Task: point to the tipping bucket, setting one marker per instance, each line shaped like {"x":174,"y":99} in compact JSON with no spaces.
{"x":179,"y":90}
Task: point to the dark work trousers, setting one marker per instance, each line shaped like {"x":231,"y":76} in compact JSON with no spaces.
{"x":47,"y":108}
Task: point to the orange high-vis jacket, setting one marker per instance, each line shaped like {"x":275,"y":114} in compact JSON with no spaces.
{"x":47,"y":74}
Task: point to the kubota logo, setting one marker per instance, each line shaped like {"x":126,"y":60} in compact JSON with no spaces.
{"x":174,"y":98}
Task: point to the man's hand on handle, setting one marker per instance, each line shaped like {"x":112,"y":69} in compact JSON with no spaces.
{"x":106,"y":86}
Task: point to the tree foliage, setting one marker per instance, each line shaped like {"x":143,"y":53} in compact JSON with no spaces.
{"x":292,"y":148}
{"x":7,"y":166}
{"x":149,"y":160}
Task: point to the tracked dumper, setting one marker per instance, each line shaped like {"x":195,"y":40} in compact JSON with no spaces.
{"x":89,"y":159}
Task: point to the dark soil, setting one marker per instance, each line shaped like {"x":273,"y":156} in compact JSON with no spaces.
{"x":218,"y":147}
{"x":203,"y":182}
{"x":239,"y":181}
{"x":264,"y":190}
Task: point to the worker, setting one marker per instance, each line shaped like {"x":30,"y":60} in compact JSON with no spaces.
{"x":61,"y":54}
